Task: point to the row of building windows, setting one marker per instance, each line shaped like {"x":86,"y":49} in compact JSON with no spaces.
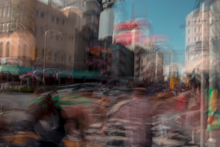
{"x":198,"y":38}
{"x":51,"y":35}
{"x":196,"y":29}
{"x":53,"y":19}
{"x":5,"y":27}
{"x":56,"y":56}
{"x":5,"y":10}
{"x":7,"y":52}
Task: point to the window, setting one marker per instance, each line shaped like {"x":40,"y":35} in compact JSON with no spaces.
{"x":35,"y":31}
{"x":24,"y":50}
{"x":52,"y":19}
{"x":55,"y":57}
{"x":5,"y":11}
{"x":42,"y":31}
{"x":42,"y":53}
{"x":2,"y":11}
{"x":58,"y":20}
{"x":7,"y":53}
{"x":189,"y":31}
{"x":188,"y":22}
{"x":9,"y":10}
{"x":194,"y":38}
{"x":1,"y":49}
{"x":195,"y":29}
{"x":8,"y":27}
{"x":188,"y":39}
{"x":61,"y":58}
{"x":42,"y":15}
{"x":4,"y":28}
{"x":63,"y":21}
{"x":1,"y":29}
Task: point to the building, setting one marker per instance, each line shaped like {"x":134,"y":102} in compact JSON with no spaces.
{"x":87,"y":28}
{"x":145,"y":62}
{"x":17,"y":29}
{"x":122,"y":61}
{"x":56,"y":28}
{"x":196,"y":38}
{"x":37,"y":33}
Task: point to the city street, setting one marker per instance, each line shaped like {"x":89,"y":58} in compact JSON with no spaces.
{"x":15,"y":99}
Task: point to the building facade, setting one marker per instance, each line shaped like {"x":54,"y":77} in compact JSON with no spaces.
{"x":17,"y":24}
{"x":57,"y":29}
{"x":40,"y":34}
{"x":145,"y":62}
{"x":196,"y":38}
{"x":122,"y":61}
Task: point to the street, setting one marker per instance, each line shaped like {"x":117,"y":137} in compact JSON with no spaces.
{"x":15,"y":99}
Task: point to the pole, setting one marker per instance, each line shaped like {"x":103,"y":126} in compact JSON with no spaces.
{"x":45,"y":47}
{"x":140,"y":65}
{"x":202,"y":127}
{"x":156,"y":66}
{"x":169,"y":65}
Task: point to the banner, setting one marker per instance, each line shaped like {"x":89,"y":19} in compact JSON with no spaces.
{"x":130,"y":25}
{"x":213,"y":111}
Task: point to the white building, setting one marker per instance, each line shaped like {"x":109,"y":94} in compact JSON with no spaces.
{"x":196,"y":33}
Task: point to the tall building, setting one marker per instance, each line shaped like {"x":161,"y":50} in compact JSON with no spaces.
{"x":196,"y":38}
{"x":39,"y":34}
{"x":87,"y":25}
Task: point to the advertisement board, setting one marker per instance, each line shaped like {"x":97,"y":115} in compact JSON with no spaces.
{"x":106,"y":24}
{"x":130,"y":25}
{"x":127,"y":38}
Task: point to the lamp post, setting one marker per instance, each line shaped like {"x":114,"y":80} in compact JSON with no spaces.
{"x":45,"y":44}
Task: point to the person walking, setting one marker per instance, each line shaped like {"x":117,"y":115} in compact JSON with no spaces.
{"x":136,"y":118}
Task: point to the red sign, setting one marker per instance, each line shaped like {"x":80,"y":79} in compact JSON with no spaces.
{"x":129,"y":25}
{"x":129,"y":37}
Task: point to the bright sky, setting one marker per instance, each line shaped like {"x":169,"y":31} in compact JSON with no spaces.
{"x":166,"y":17}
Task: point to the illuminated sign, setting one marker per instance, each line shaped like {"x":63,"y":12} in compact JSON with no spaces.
{"x":129,"y":25}
{"x":128,"y":38}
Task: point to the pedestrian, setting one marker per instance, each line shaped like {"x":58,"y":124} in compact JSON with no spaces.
{"x":136,"y":118}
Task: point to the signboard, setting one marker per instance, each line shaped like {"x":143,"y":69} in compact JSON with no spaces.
{"x":106,"y":23}
{"x":97,"y":50}
{"x":213,"y":113}
{"x":128,"y":38}
{"x":130,"y":25}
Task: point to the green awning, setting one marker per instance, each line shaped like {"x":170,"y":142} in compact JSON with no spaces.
{"x":14,"y":70}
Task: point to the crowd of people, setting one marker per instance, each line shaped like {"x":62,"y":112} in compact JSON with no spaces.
{"x":126,"y":112}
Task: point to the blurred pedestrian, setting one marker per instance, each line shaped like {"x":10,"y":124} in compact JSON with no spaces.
{"x":136,"y":118}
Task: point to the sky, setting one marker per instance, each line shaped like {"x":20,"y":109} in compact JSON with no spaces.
{"x":166,"y":17}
